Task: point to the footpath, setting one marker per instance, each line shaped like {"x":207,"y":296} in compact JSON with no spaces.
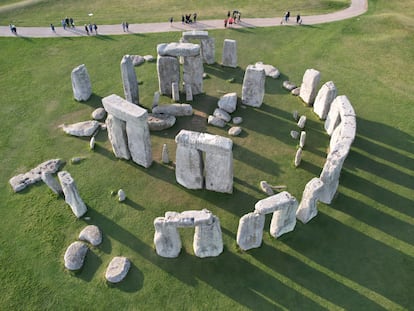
{"x":357,"y":8}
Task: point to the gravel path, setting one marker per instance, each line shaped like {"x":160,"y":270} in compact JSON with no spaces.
{"x":357,"y":7}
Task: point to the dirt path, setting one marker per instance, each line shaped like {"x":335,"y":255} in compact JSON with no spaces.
{"x":357,"y":7}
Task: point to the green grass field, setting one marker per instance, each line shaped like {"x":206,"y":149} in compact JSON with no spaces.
{"x":357,"y":254}
{"x":44,"y":12}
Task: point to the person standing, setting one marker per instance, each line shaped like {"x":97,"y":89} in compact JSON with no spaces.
{"x":52,"y":27}
{"x":225,"y":23}
{"x":195,"y":17}
{"x":90,"y":28}
{"x":298,"y":19}
{"x":86,"y":29}
{"x":127,"y":26}
{"x":95,"y":27}
{"x":63,"y":24}
{"x":123,"y":26}
{"x":171,"y":21}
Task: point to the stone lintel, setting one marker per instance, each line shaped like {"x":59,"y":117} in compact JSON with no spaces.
{"x":123,"y":109}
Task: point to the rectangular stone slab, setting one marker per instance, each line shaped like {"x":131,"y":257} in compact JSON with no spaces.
{"x":178,"y":49}
{"x":123,"y":109}
{"x":195,"y":34}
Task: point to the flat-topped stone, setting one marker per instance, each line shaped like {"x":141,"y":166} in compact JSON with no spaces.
{"x":195,"y":34}
{"x":81,"y":129}
{"x":234,"y":131}
{"x":117,"y":269}
{"x":274,"y":203}
{"x":190,"y":218}
{"x":123,"y":109}
{"x":178,"y":110}
{"x":178,"y":49}
{"x":270,"y":70}
{"x":203,"y":141}
{"x":75,"y":255}
{"x":215,"y":121}
{"x":159,"y":122}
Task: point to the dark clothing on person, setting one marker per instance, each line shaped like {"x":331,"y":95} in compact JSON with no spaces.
{"x":95,"y":27}
{"x":298,"y":19}
{"x":195,"y":17}
{"x":52,"y":27}
{"x":86,"y":29}
{"x":72,"y":24}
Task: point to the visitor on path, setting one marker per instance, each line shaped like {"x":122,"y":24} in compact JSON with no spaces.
{"x":52,"y":27}
{"x":228,"y":14}
{"x":182,"y":19}
{"x":13,"y":29}
{"x":195,"y":17}
{"x":95,"y":27}
{"x":225,"y":23}
{"x":90,"y":28}
{"x":72,"y":23}
{"x":67,"y":21}
{"x":171,"y":21}
{"x":123,"y":26}
{"x":287,"y":15}
{"x":298,"y":19}
{"x":86,"y":29}
{"x":63,"y":24}
{"x":127,"y":26}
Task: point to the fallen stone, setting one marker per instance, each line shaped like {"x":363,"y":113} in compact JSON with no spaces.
{"x":76,"y":160}
{"x":266,"y":188}
{"x":222,"y":114}
{"x":91,"y":234}
{"x":289,"y":85}
{"x":81,"y":129}
{"x":235,"y":131}
{"x":294,"y":134}
{"x":295,"y":91}
{"x":137,"y":60}
{"x":71,"y":193}
{"x":302,"y":122}
{"x":228,"y":102}
{"x":237,"y":120}
{"x":295,"y":115}
{"x":52,"y":183}
{"x":270,"y":70}
{"x":21,"y":181}
{"x":75,"y":255}
{"x":159,"y":122}
{"x":117,"y":269}
{"x":99,"y":114}
{"x":298,"y":157}
{"x":212,"y":120}
{"x":178,"y":110}
{"x":92,"y":143}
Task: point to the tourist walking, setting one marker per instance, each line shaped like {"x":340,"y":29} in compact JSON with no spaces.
{"x":72,"y":23}
{"x":127,"y":26}
{"x":195,"y":17}
{"x":225,"y":23}
{"x":287,"y":15}
{"x":171,"y":21}
{"x":13,"y":29}
{"x":90,"y":28}
{"x":298,"y":19}
{"x":52,"y":27}
{"x":95,"y":27}
{"x":86,"y":29}
{"x":63,"y":24}
{"x":123,"y":26}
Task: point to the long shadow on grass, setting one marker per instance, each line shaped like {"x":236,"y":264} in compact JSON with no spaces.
{"x":91,"y":265}
{"x":225,"y":73}
{"x":337,"y":248}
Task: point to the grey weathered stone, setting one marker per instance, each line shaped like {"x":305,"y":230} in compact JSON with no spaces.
{"x":159,"y":122}
{"x":72,"y":197}
{"x":250,"y":231}
{"x":136,"y":128}
{"x":222,"y":114}
{"x":253,"y":88}
{"x":324,"y":99}
{"x":92,"y":143}
{"x":129,"y":80}
{"x":85,"y":128}
{"x":193,"y":73}
{"x":341,"y":106}
{"x":175,"y":92}
{"x":294,"y":134}
{"x":168,"y":70}
{"x":190,"y":218}
{"x":266,"y":188}
{"x":81,"y":84}
{"x":344,"y":133}
{"x":75,"y":255}
{"x":91,"y":234}
{"x":302,"y":139}
{"x":99,"y":114}
{"x":270,"y":70}
{"x":52,"y":183}
{"x":237,"y":120}
{"x":228,"y":102}
{"x":295,"y":91}
{"x":117,"y":136}
{"x":208,"y":50}
{"x":189,"y":167}
{"x":167,"y":241}
{"x":194,"y":34}
{"x":156,"y":99}
{"x":178,"y":110}
{"x":229,"y":56}
{"x":302,"y":122}
{"x":208,"y":241}
{"x":188,"y":93}
{"x":178,"y":49}
{"x":165,"y":158}
{"x":121,"y":195}
{"x":308,"y":205}
{"x":289,"y":85}
{"x":137,"y":60}
{"x":308,"y":88}
{"x":21,"y":181}
{"x":219,"y":171}
{"x":117,"y":269}
{"x":295,"y":115}
{"x":212,"y":120}
{"x":298,"y":157}
{"x":235,"y":131}
{"x":149,"y":58}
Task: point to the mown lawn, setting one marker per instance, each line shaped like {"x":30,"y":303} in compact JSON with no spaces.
{"x":356,"y":254}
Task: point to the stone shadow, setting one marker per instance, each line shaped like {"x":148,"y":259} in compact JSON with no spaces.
{"x":90,"y":266}
{"x":225,"y":73}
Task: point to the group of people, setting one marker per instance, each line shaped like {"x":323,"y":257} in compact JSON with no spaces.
{"x":186,"y":19}
{"x":90,"y":28}
{"x":287,"y":16}
{"x":67,"y":22}
{"x":125,"y":26}
{"x":232,"y":18}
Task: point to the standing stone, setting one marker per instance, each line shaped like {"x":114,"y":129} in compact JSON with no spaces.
{"x":324,"y":99}
{"x":167,"y":241}
{"x":266,"y":188}
{"x":228,"y":102}
{"x":117,"y":136}
{"x":229,"y":57}
{"x":99,"y":114}
{"x":308,"y":205}
{"x":52,"y":183}
{"x":208,"y":241}
{"x":91,"y":234}
{"x":189,"y":167}
{"x":92,"y":143}
{"x":156,"y":99}
{"x":168,"y":70}
{"x":250,"y":231}
{"x":188,"y":93}
{"x":237,"y":120}
{"x":309,"y":86}
{"x":302,"y":122}
{"x":193,"y":73}
{"x":121,"y":195}
{"x":117,"y":269}
{"x":81,"y":84}
{"x":253,"y":86}
{"x":294,"y":134}
{"x":302,"y":139}
{"x":298,"y":157}
{"x":165,"y":157}
{"x":175,"y":92}
{"x":295,"y":115}
{"x":71,"y":193}
{"x":129,"y":80}
{"x":75,"y":255}
{"x":208,"y":50}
